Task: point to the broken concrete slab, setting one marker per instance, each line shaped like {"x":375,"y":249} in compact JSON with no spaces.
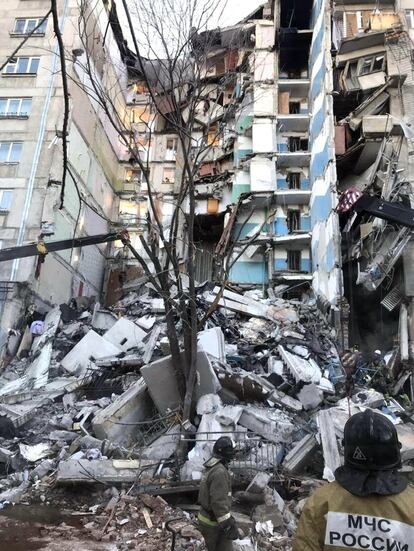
{"x":117,"y":421}
{"x":36,"y":452}
{"x":162,"y":383}
{"x":259,"y":483}
{"x":91,"y":347}
{"x":125,"y":334}
{"x":329,"y":444}
{"x":51,"y":325}
{"x":301,"y":369}
{"x":111,"y":471}
{"x":150,"y":345}
{"x":164,"y":446}
{"x":283,"y":400}
{"x":300,"y":455}
{"x":102,"y":319}
{"x":274,"y":426}
{"x":264,"y":513}
{"x":310,"y":396}
{"x":212,"y":342}
{"x":146,"y":322}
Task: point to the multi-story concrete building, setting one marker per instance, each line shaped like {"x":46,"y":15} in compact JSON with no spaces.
{"x":324,"y":103}
{"x":31,"y":113}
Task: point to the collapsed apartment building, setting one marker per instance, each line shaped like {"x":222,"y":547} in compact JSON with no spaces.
{"x":322,"y":104}
{"x":319,"y":98}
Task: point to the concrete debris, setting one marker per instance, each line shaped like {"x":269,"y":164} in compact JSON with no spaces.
{"x":82,"y":356}
{"x":125,"y":335}
{"x":96,"y":401}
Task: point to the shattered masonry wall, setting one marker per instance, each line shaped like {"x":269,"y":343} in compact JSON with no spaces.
{"x":325,"y":228}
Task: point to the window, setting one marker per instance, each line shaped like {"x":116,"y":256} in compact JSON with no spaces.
{"x":293,"y":220}
{"x":212,"y":205}
{"x":27,"y":25}
{"x":10,"y":152}
{"x":6,"y":197}
{"x":409,"y":14}
{"x":297,"y":144}
{"x":22,"y":66}
{"x":169,"y":175}
{"x":294,"y":107}
{"x":171,"y":149}
{"x":371,"y":64}
{"x":293,"y":180}
{"x":133,"y":175}
{"x":15,"y":107}
{"x":294,"y":260}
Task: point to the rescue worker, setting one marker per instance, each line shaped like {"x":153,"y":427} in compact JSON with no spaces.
{"x":215,"y":520}
{"x":369,"y":505}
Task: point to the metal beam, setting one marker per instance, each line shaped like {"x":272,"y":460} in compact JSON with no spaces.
{"x":42,"y":247}
{"x":391,"y":212}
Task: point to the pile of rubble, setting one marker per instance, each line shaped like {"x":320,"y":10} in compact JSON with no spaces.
{"x":94,"y":400}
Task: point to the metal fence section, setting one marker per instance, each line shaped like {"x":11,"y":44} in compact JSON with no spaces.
{"x":253,"y":454}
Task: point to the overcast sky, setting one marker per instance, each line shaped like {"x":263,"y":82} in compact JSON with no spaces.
{"x":235,"y":11}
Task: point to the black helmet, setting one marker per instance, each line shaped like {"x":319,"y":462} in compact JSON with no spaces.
{"x":371,"y":443}
{"x":224,"y":448}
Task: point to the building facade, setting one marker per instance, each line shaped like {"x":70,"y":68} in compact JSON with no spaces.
{"x":31,"y":115}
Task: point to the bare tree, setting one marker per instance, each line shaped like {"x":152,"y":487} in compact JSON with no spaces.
{"x":183,"y":77}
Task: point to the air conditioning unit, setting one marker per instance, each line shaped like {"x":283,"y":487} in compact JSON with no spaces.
{"x":131,"y":187}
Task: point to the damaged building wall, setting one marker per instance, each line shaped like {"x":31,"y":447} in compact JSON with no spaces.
{"x":326,"y":253}
{"x":34,"y":177}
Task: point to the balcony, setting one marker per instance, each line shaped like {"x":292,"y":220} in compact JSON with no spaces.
{"x":293,"y":123}
{"x":290,"y":159}
{"x":297,"y":87}
{"x":292,"y":196}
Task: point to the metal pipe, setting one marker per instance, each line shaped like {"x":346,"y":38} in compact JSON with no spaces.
{"x":39,"y":144}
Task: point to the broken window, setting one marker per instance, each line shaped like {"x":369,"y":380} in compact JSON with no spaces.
{"x":133,"y":175}
{"x":294,"y":260}
{"x":351,"y":76}
{"x":168,"y":175}
{"x":294,"y":107}
{"x":212,"y":205}
{"x":371,"y":64}
{"x":293,"y":220}
{"x":293,"y":180}
{"x":213,"y":137}
{"x":171,"y":149}
{"x":297,"y":144}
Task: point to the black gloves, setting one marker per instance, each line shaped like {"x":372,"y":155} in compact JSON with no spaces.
{"x":229,"y":529}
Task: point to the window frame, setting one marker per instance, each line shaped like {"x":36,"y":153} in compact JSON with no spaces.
{"x":291,"y":261}
{"x":409,"y":16}
{"x":41,"y":31}
{"x":164,"y":179}
{"x":294,"y":180}
{"x":10,"y":151}
{"x":6,"y":209}
{"x":372,"y":61}
{"x":15,"y":65}
{"x":9,"y":114}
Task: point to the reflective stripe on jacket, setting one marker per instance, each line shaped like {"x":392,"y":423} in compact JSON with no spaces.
{"x":215,"y":493}
{"x":335,"y":520}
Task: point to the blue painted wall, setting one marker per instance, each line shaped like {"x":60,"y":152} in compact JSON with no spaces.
{"x":249,"y":272}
